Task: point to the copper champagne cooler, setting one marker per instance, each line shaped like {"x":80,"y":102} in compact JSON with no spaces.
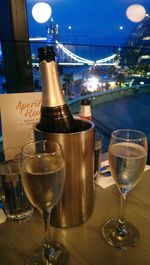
{"x":77,"y":201}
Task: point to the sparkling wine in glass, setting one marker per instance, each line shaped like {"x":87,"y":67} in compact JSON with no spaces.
{"x":43,"y":177}
{"x":127,"y":159}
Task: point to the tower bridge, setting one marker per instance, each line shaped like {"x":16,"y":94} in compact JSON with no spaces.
{"x":67,"y":57}
{"x":73,"y":59}
{"x":64,"y":53}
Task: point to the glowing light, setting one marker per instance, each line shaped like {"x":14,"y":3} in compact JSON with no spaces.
{"x":121,"y":27}
{"x":41,"y":12}
{"x":92,"y":84}
{"x":69,"y":27}
{"x":38,"y":39}
{"x":136,"y":13}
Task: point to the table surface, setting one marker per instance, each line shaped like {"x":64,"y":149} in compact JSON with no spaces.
{"x":85,"y":242}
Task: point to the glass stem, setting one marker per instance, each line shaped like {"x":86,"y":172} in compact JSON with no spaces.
{"x":46,"y":219}
{"x":49,"y":251}
{"x":123,"y":207}
{"x":122,"y":227}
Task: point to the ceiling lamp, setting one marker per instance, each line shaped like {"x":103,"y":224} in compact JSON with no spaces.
{"x":136,"y":13}
{"x":41,"y":12}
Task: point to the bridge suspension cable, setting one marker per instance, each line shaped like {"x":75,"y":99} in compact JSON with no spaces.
{"x":105,"y":61}
{"x":74,"y":56}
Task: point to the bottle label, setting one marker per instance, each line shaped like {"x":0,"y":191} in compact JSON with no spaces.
{"x":85,"y":112}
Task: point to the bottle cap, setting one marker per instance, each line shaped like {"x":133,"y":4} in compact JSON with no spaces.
{"x":85,"y":102}
{"x":46,"y":53}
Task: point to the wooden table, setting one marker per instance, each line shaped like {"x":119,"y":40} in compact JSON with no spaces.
{"x":85,"y":242}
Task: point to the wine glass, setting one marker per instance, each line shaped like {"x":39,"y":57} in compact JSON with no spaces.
{"x":43,"y":177}
{"x":127,"y":158}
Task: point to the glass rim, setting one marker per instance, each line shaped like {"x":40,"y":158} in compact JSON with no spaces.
{"x":34,"y":143}
{"x":140,"y":137}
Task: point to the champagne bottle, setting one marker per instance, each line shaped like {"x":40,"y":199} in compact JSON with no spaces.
{"x":55,"y":114}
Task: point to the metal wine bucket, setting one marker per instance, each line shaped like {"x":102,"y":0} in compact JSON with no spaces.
{"x":76,"y":203}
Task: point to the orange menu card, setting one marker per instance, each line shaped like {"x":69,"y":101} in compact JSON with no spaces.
{"x":19,"y":112}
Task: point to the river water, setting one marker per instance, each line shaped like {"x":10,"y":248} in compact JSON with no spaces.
{"x":128,"y":112}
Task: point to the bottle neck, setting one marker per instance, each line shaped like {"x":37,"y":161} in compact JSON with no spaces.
{"x":52,"y":94}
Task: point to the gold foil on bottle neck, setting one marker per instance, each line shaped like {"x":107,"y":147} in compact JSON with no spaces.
{"x":52,"y":93}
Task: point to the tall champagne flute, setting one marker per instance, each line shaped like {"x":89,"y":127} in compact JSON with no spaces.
{"x":127,"y":159}
{"x":43,"y":176}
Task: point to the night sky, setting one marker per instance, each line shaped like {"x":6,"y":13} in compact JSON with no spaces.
{"x":91,"y":21}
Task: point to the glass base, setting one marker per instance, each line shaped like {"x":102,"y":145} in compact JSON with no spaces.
{"x":129,"y":237}
{"x":20,"y":214}
{"x":53,"y":253}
